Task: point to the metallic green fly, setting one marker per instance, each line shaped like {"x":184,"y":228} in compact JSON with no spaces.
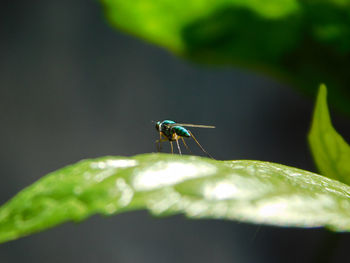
{"x":172,"y":131}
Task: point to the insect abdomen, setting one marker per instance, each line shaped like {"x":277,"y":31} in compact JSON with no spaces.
{"x":181,"y":131}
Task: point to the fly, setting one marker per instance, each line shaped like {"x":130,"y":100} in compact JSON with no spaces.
{"x":173,"y":131}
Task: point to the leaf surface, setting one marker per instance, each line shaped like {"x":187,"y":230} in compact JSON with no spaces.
{"x":248,"y":191}
{"x":298,"y":42}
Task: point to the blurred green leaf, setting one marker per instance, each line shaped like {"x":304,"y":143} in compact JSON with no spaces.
{"x":330,"y":151}
{"x":300,"y":42}
{"x":249,"y":191}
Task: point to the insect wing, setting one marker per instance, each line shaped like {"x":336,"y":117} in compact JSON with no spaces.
{"x":190,"y":125}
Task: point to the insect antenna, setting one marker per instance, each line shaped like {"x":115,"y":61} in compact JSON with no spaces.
{"x":200,"y":146}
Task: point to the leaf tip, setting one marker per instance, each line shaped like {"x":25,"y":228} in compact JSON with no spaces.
{"x":322,"y":89}
{"x":320,"y":116}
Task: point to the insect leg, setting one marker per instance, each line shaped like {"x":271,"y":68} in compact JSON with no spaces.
{"x":178,"y":145}
{"x":172,"y":148}
{"x":200,"y":146}
{"x":188,"y":149}
{"x":158,"y":145}
{"x":158,"y":142}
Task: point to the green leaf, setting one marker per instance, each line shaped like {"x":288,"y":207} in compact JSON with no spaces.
{"x":249,"y":191}
{"x":299,"y":42}
{"x":330,"y":151}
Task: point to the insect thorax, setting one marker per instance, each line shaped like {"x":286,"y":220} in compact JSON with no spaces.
{"x":172,"y":132}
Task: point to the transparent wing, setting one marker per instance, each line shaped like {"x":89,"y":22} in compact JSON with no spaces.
{"x":190,"y":125}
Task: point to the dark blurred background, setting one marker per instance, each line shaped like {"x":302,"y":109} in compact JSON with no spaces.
{"x":71,"y":87}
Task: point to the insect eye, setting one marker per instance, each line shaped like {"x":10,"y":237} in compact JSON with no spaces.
{"x":157,"y":126}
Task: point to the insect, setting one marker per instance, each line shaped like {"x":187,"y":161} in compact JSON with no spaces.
{"x":172,"y":131}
